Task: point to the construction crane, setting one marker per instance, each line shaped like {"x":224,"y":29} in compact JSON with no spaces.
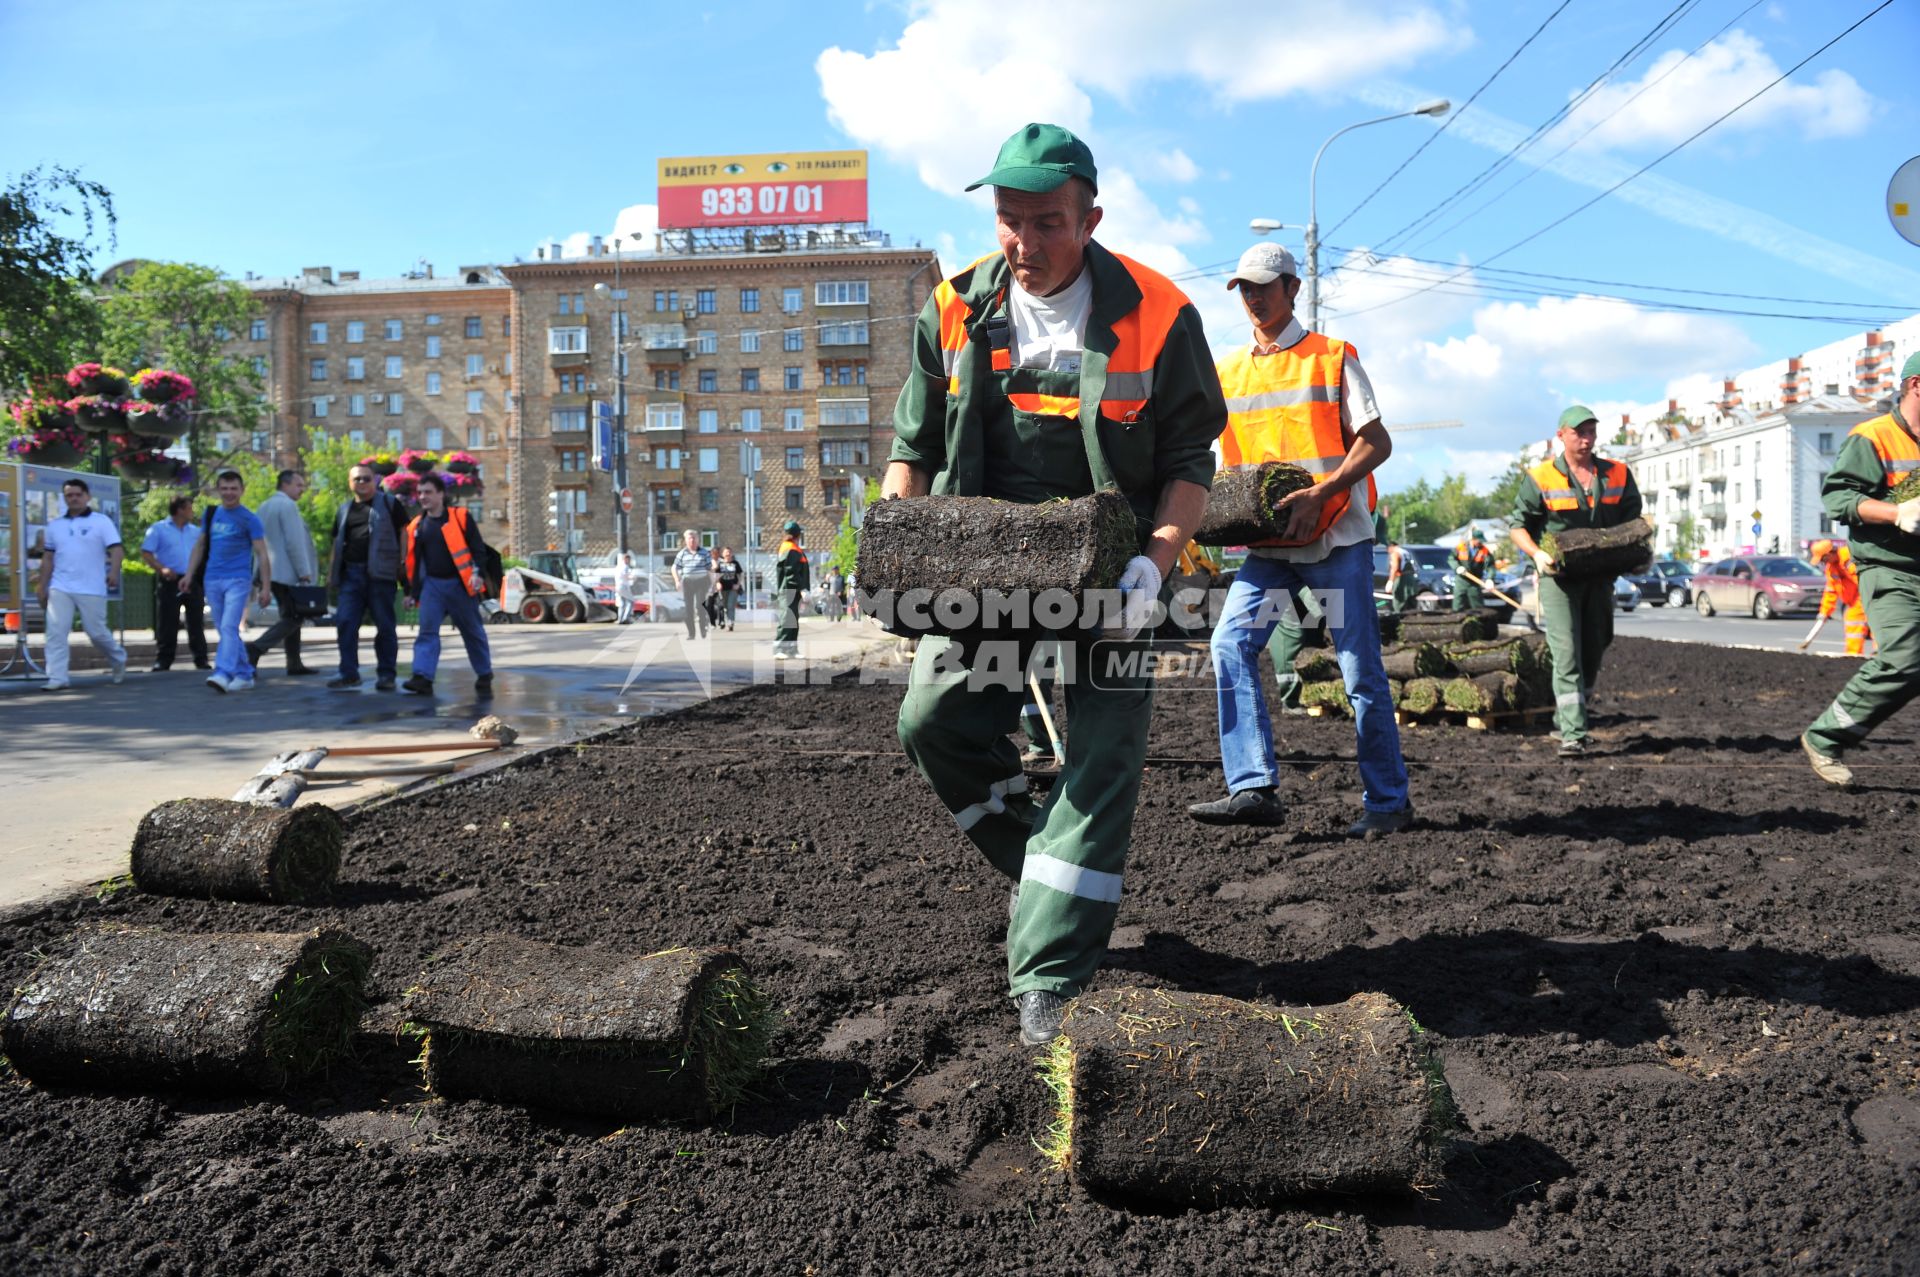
{"x":1397,"y":427}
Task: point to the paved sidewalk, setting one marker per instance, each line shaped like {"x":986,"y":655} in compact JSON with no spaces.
{"x":82,"y":766}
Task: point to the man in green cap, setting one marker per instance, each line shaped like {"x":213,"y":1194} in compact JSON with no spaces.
{"x":1884,"y":539}
{"x":791,"y":581}
{"x":1471,"y":555}
{"x":1053,"y":369}
{"x":1575,"y":490}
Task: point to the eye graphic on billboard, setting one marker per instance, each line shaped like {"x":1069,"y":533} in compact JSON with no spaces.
{"x":787,"y":189}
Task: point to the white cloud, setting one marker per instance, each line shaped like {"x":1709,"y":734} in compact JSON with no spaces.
{"x":1678,"y":96}
{"x":640,"y":219}
{"x":1171,"y":166}
{"x":1588,"y":339}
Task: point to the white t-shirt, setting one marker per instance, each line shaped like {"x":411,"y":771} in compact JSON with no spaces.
{"x":80,"y":552}
{"x":1050,"y":332}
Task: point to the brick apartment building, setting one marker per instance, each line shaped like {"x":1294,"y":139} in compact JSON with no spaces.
{"x":781,"y":344}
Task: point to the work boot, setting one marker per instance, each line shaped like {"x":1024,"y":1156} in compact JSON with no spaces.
{"x":1381,"y":822}
{"x":1040,"y":1015}
{"x":484,"y":685}
{"x":1248,"y":807}
{"x":1573,"y":746}
{"x":300,"y":671}
{"x":254,"y":654}
{"x":418,"y":684}
{"x":1827,"y":767}
{"x":384,"y":683}
{"x":344,"y":682}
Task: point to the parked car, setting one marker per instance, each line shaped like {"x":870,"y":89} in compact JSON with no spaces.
{"x":665,"y":595}
{"x":1434,"y":564}
{"x":1764,"y":586}
{"x":1665,"y":581}
{"x":1522,"y":582}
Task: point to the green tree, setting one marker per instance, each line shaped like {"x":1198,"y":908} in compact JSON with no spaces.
{"x":1687,"y":538}
{"x":48,"y":319}
{"x":180,"y":316}
{"x":846,"y":539}
{"x":325,"y":461}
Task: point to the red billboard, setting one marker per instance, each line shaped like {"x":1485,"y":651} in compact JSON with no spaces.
{"x":795,"y":188}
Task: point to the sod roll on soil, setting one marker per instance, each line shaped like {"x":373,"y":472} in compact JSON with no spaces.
{"x":1208,"y":1101}
{"x":678,"y":1034}
{"x":1580,"y":553}
{"x":1243,"y":507}
{"x":141,"y":1008}
{"x":934,"y":565}
{"x":213,"y":848}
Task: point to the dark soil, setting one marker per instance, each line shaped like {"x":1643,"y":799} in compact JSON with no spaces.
{"x":1675,"y":984}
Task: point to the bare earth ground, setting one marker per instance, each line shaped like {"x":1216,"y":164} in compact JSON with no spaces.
{"x":1676,"y":985}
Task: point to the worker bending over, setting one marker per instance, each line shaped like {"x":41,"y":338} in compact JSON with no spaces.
{"x":1842,"y":594}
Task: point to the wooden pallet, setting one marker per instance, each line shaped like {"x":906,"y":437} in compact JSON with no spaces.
{"x":1491,"y":721}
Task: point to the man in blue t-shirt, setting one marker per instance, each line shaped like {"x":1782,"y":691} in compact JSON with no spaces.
{"x":230,"y":562}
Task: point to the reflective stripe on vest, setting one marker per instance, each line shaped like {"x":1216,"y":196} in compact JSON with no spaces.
{"x":1899,"y":454}
{"x":1286,"y":407}
{"x":453,"y":533}
{"x":1557,"y":490}
{"x":1139,"y":336}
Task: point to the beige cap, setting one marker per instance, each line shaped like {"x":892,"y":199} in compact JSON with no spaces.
{"x":1264,"y":263}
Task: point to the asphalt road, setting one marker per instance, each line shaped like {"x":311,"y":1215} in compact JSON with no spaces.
{"x":1687,"y":626}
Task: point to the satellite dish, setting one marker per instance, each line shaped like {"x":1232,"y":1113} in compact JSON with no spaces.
{"x":1903,"y":200}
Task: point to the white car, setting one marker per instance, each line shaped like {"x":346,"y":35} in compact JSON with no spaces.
{"x":665,"y":596}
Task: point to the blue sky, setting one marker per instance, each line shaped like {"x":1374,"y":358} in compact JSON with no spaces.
{"x":267,"y":136}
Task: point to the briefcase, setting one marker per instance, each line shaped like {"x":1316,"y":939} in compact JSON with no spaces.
{"x":309,"y":601}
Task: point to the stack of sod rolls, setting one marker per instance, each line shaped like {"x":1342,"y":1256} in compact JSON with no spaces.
{"x":1244,"y":506}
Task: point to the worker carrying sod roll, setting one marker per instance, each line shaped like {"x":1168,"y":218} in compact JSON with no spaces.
{"x":1244,"y":505}
{"x":1210,"y":1101}
{"x":152,"y":1009}
{"x":961,"y":565}
{"x":213,"y":848}
{"x":1580,"y":553}
{"x":678,"y":1034}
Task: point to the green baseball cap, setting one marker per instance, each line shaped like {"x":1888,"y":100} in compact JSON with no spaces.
{"x":1911,"y":368}
{"x":1478,"y":535}
{"x":1039,"y":158}
{"x":793,"y":525}
{"x":1577,"y":416}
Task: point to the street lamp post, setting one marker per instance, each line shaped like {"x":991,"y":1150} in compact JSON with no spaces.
{"x":1436,"y":108}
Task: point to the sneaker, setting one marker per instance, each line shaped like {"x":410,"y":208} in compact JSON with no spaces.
{"x":384,"y":683}
{"x":117,"y":672}
{"x":239,"y":685}
{"x":1827,"y":767}
{"x":1040,"y":1016}
{"x":343,"y":682}
{"x":419,"y":685}
{"x":218,"y":682}
{"x":51,"y":686}
{"x":1248,"y":807}
{"x":158,"y":668}
{"x":484,"y":685}
{"x":1573,"y":746}
{"x":1381,"y":822}
{"x":781,"y":656}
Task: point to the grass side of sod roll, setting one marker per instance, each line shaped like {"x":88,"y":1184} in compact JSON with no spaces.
{"x":920,"y":548}
{"x":1484,"y":693}
{"x":1316,"y":665}
{"x":1495,"y":656}
{"x":1581,"y":553}
{"x":212,"y":848}
{"x":678,"y":1034}
{"x":1420,"y":696}
{"x":1243,"y":506}
{"x":134,"y":1007}
{"x":1413,"y":660}
{"x":1210,"y":1101}
{"x":1905,"y":490}
{"x":1331,"y":695}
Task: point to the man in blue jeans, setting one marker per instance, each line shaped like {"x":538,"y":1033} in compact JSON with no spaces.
{"x":446,"y":580}
{"x":365,"y":576}
{"x":228,"y":563}
{"x":1300,"y":397}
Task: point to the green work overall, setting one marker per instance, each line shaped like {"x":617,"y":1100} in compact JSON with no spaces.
{"x":1579,"y":618}
{"x":1068,"y":853}
{"x":1033,"y":724}
{"x":1465,"y":593}
{"x":1289,"y":638}
{"x":1883,"y":685}
{"x":1406,"y":586}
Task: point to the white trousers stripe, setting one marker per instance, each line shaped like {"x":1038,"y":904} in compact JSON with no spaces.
{"x":968,"y":817}
{"x":1074,"y":880}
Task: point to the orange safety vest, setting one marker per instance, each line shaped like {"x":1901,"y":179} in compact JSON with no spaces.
{"x":1560,"y":494}
{"x":1140,"y":334}
{"x":1286,"y":407}
{"x":1899,"y":454}
{"x":454,"y":532}
{"x":1477,"y":560}
{"x":1843,"y":581}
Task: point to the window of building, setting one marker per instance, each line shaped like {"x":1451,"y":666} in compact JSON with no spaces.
{"x":666,"y":458}
{"x":709,"y":498}
{"x":703,"y":301}
{"x":433,"y":383}
{"x":843,"y":412}
{"x":709,"y":381}
{"x":666,"y":379}
{"x":750,"y":342}
{"x":476,"y":401}
{"x":844,"y":292}
{"x":257,"y":330}
{"x":749,"y":379}
{"x":573,"y":458}
{"x":356,"y":405}
{"x":259,"y":365}
{"x":476,"y":364}
{"x":666,"y":299}
{"x":796,"y":419}
{"x":353,"y":436}
{"x":796,"y":458}
{"x":843,"y":452}
{"x":665,"y":416}
{"x":851,"y":334}
{"x":793,"y":339}
{"x":320,"y":406}
{"x":1756,"y":452}
{"x":436,"y":438}
{"x":394,"y":366}
{"x":1756,"y":489}
{"x":566,"y":341}
{"x":796,"y":497}
{"x":709,"y":421}
{"x":356,"y":368}
{"x":568,"y":419}
{"x":835,"y":492}
{"x":393,"y":405}
{"x":709,"y":460}
{"x":396,"y":439}
{"x":392,"y":327}
{"x":475,"y":437}
{"x":473,"y":325}
{"x":706,"y":342}
{"x":749,"y":300}
{"x":759,"y":497}
{"x":573,"y":383}
{"x":224,"y":442}
{"x":433,"y":346}
{"x":792,"y":299}
{"x":356,"y":330}
{"x":565,"y":307}
{"x":666,"y":500}
{"x":1824,"y":441}
{"x":317,"y":334}
{"x":316,"y":370}
{"x":750,"y":420}
{"x":432,"y":321}
{"x":506,"y":328}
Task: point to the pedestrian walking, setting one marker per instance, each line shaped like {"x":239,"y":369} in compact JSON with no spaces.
{"x":693,"y":577}
{"x":1884,"y":539}
{"x":1842,"y":594}
{"x":167,"y":549}
{"x":853,"y":596}
{"x":290,"y":548}
{"x":1471,"y":555}
{"x":623,"y":589}
{"x":791,"y":581}
{"x":836,"y":594}
{"x":446,"y":582}
{"x":369,"y":549}
{"x":1302,"y":397}
{"x":230,"y":564}
{"x":728,"y":576}
{"x":1403,"y":577}
{"x":1575,"y":490}
{"x":80,"y":555}
{"x":1007,"y":356}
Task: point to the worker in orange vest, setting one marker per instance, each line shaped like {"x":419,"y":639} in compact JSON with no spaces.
{"x":446,"y":579}
{"x":1842,"y":594}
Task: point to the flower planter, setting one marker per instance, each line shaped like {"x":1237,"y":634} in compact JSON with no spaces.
{"x":106,"y":385}
{"x":59,"y":455}
{"x":462,"y":467}
{"x":422,"y":465}
{"x":382,"y":468}
{"x":154,"y":470}
{"x":167,"y":422}
{"x":100,"y":416}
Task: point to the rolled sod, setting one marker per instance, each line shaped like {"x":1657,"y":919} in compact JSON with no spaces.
{"x":1420,"y":696}
{"x":1580,"y":553}
{"x":917,"y":551}
{"x":1210,"y":1101}
{"x":1330,"y":695}
{"x":1316,"y":665}
{"x":1413,"y":660}
{"x":1243,"y":507}
{"x":1467,"y":628}
{"x":681,"y":1033}
{"x":1484,"y":694}
{"x":153,"y":1009}
{"x":1494,"y":656}
{"x":213,"y":848}
{"x":1905,"y":490}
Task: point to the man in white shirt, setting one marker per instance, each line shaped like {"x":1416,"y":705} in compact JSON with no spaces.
{"x":79,"y":564}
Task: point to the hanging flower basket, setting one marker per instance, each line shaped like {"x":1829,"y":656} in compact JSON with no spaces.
{"x":102,"y":380}
{"x":461,"y":486}
{"x":461,"y":463}
{"x":381,"y":463}
{"x":159,"y":386}
{"x":160,"y":421}
{"x":148,"y":467}
{"x":99,"y":414}
{"x":57,"y":446}
{"x":404,"y":486}
{"x":419,"y":462}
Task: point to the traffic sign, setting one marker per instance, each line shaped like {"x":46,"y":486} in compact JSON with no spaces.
{"x":1903,"y":200}
{"x":1756,"y":529}
{"x":603,"y":442}
{"x":1755,"y":516}
{"x":626,"y":498}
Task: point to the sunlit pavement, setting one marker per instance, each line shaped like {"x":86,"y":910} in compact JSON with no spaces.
{"x":83,"y":765}
{"x":1685,"y":625}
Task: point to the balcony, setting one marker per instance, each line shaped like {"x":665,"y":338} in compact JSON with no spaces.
{"x":567,"y":347}
{"x":1714,"y":511}
{"x":843,"y":392}
{"x":664,"y":343}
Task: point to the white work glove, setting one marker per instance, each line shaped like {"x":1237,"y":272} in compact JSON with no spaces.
{"x":1139,"y":590}
{"x":1907,"y":515}
{"x":1543,"y":561}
